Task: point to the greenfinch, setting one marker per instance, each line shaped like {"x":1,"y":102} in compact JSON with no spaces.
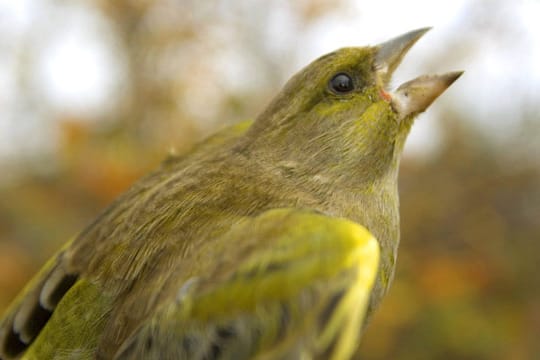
{"x":273,"y":239}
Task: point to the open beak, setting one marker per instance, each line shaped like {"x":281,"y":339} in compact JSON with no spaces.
{"x":414,"y":96}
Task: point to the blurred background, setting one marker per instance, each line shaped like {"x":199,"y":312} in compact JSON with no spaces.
{"x":95,"y":93}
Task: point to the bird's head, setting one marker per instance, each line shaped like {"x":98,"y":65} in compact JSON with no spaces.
{"x":337,"y":117}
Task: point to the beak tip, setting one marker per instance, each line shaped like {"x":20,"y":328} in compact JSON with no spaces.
{"x":453,"y":76}
{"x":422,"y":30}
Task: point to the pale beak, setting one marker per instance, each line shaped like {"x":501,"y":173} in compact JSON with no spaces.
{"x":414,"y":96}
{"x":391,"y":52}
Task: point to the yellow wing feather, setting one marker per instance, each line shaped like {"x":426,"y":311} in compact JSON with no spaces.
{"x":300,"y":289}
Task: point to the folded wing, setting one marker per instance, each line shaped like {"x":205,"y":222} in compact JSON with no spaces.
{"x":287,"y":284}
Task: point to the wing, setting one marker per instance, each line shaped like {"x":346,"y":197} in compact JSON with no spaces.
{"x":33,"y":309}
{"x":288,"y":284}
{"x":31,"y":314}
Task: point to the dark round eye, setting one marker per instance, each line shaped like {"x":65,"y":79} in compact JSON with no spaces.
{"x":341,"y":83}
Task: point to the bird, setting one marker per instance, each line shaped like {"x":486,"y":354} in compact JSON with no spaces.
{"x":275,"y":238}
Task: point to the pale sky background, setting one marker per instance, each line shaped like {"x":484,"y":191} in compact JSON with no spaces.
{"x":78,"y":71}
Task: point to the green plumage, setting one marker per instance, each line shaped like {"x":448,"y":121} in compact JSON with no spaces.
{"x":260,"y":242}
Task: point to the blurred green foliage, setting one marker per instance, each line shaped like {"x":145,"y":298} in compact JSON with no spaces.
{"x":467,"y":280}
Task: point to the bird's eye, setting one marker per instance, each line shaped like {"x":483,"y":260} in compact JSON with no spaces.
{"x":341,"y":83}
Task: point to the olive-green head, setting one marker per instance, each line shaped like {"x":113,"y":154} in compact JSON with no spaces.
{"x":337,"y":117}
